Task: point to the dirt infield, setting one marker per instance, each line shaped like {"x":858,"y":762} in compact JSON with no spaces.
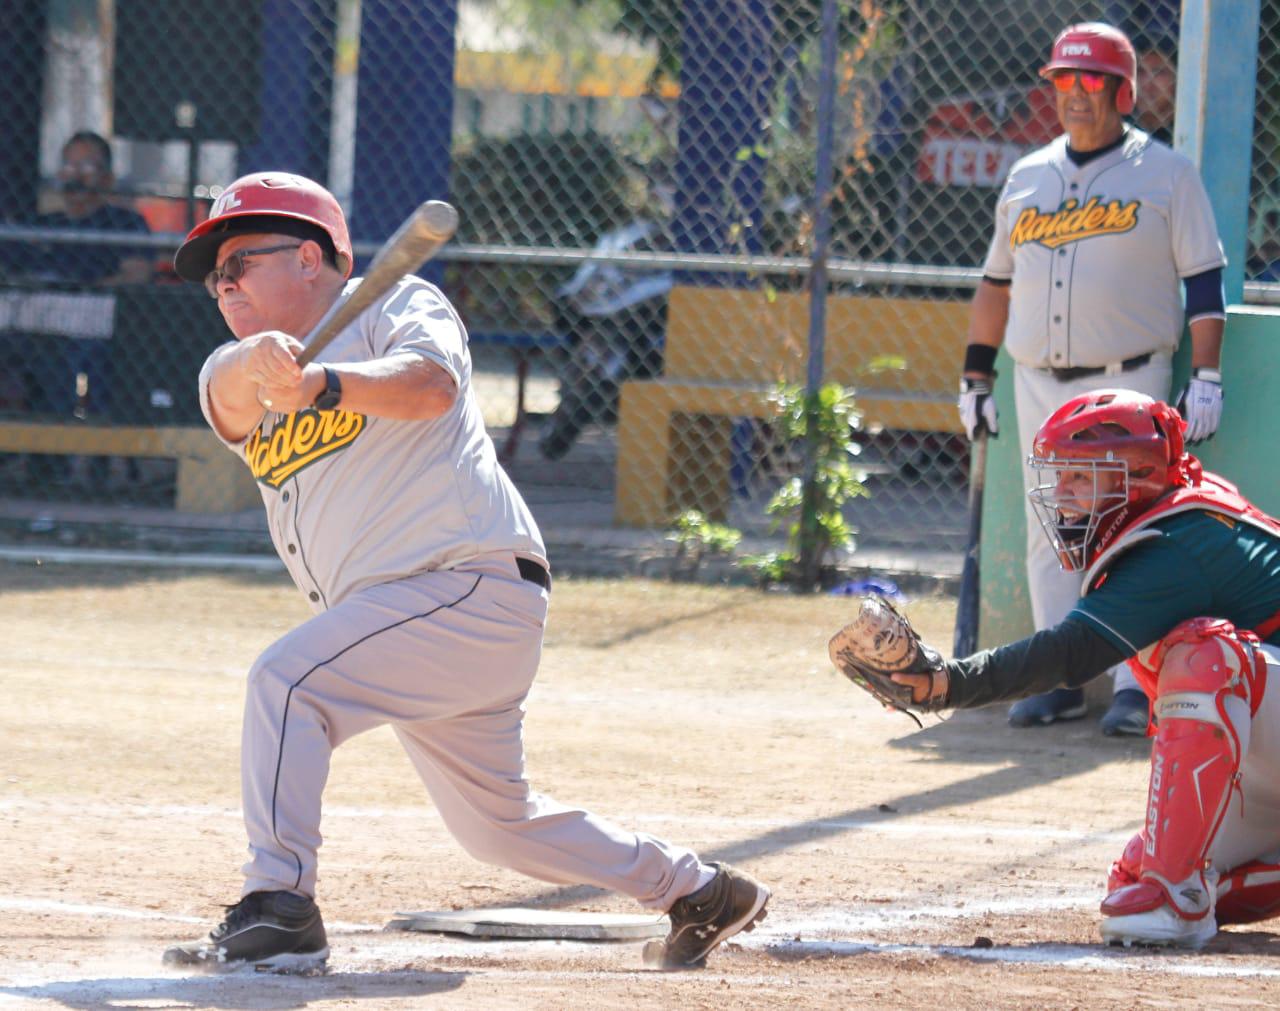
{"x":959,"y":866}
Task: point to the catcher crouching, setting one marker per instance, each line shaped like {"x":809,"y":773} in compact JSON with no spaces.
{"x":1181,"y":578}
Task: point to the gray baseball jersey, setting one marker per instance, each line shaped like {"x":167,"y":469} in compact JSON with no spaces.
{"x":353,"y":501}
{"x":1096,"y":252}
{"x":408,"y":539}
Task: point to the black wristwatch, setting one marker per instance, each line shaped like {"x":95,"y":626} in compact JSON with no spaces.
{"x":331,"y":395}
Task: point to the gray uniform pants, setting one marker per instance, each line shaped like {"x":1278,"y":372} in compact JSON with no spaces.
{"x":1250,"y":829}
{"x":447,"y":659}
{"x":1038,"y":394}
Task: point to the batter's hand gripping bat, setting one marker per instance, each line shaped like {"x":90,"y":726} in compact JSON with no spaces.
{"x":966,"y":639}
{"x":419,"y":238}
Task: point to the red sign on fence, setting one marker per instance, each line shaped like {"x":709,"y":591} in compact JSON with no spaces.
{"x":972,"y":140}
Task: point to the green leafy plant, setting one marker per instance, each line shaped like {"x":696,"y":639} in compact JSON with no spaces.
{"x":814,"y":522}
{"x":697,"y":538}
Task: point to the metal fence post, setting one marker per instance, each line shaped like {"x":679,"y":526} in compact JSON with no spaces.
{"x":810,"y":559}
{"x":1217,"y":75}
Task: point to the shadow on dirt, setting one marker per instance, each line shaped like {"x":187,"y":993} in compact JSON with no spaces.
{"x":1082,"y":956}
{"x":1030,"y":758}
{"x":239,"y":990}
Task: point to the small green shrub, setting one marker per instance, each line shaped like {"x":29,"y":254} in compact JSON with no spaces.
{"x":697,"y":538}
{"x":816,"y":526}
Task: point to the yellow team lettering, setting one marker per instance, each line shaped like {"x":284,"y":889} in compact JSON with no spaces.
{"x":300,"y":439}
{"x":307,"y":433}
{"x":1073,"y":221}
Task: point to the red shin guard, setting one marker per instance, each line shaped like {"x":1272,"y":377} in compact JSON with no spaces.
{"x":1210,"y":679}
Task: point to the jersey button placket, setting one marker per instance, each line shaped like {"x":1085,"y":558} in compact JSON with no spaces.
{"x":288,"y":534}
{"x":1058,"y":266}
{"x":1061,"y":296}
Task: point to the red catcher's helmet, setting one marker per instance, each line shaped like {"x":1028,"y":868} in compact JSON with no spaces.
{"x":1101,"y":48}
{"x":1127,"y":445}
{"x":298,"y":203}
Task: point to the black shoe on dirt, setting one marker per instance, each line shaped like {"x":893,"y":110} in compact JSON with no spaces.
{"x":729,"y":902}
{"x":269,"y":931}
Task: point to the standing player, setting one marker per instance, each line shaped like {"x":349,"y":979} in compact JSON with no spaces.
{"x":427,"y":576}
{"x":1182,"y":577}
{"x":1093,"y":234}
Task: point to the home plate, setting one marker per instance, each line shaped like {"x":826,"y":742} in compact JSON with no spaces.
{"x":515,"y":922}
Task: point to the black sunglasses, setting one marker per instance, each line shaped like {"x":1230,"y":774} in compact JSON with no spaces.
{"x":233,"y":268}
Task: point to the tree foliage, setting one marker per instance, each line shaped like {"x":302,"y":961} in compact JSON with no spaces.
{"x":795,"y":22}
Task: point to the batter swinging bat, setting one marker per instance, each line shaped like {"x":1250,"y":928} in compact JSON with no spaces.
{"x":966,"y":639}
{"x":419,"y":238}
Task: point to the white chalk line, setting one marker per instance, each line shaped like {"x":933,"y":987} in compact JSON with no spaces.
{"x":909,"y":827}
{"x":142,"y":559}
{"x":832,"y":922}
{"x":1062,"y":956}
{"x":839,"y":932}
{"x":839,"y":922}
{"x":772,"y":938}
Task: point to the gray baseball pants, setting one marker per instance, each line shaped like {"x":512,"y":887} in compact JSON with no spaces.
{"x":1038,"y":394}
{"x":446,"y":658}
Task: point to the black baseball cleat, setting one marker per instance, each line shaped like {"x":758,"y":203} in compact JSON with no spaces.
{"x":268,"y":931}
{"x":729,"y":902}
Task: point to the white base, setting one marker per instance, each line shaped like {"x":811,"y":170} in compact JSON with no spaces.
{"x":516,"y":922}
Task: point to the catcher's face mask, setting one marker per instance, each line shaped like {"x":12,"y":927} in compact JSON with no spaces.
{"x":1098,"y":461}
{"x":1072,"y":498}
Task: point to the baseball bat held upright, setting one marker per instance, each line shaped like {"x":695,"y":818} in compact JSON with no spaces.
{"x":966,"y":635}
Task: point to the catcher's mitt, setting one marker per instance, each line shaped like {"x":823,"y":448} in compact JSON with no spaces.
{"x":880,"y":642}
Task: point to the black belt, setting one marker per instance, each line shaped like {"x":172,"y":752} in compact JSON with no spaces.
{"x":1080,"y":371}
{"x":533,"y":572}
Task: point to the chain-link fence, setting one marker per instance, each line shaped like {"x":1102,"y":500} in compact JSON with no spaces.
{"x":636,"y":182}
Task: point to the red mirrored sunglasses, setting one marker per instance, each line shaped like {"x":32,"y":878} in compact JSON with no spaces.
{"x":1090,"y":83}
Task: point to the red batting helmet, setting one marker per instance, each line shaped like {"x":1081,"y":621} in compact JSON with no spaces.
{"x":1134,"y":439}
{"x":277,"y":202}
{"x":1101,"y":48}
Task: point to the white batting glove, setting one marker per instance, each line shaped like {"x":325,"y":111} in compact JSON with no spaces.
{"x":977,"y":407}
{"x":1200,"y":404}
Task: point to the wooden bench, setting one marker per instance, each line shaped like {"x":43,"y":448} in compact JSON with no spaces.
{"x":211,"y":479}
{"x":158,"y":336}
{"x":726,"y":349}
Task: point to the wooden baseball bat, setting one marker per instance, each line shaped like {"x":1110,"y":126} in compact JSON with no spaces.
{"x":966,"y":637}
{"x":419,"y":238}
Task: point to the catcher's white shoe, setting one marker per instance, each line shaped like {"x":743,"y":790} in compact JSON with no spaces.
{"x":1159,"y":927}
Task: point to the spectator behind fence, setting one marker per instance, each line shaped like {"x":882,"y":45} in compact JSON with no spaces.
{"x":87,"y":183}
{"x":1264,"y":240}
{"x":1157,"y":88}
{"x":49,"y":367}
{"x":1093,"y":234}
